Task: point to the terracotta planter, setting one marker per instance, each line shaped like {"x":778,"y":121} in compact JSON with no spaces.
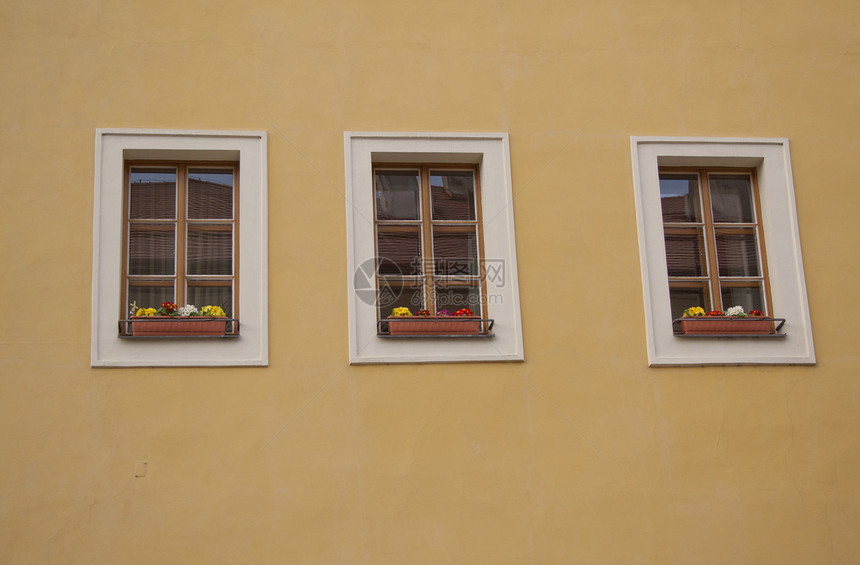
{"x":431,"y":325}
{"x":176,"y":326}
{"x":724,"y":325}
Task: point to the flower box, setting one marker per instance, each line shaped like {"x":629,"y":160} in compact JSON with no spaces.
{"x":726,"y":325}
{"x":177,"y":326}
{"x":434,"y":325}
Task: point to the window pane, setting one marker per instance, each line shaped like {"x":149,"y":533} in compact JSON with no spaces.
{"x":731,"y":198}
{"x":210,"y":194}
{"x":455,"y":251}
{"x":210,"y":249}
{"x":151,"y":249}
{"x":453,"y":195}
{"x":751,"y":298}
{"x":397,"y":195}
{"x":222,"y":296}
{"x":149,"y":296}
{"x":737,"y":254}
{"x":682,"y":298}
{"x":452,"y":298}
{"x":679,"y":196}
{"x":685,"y":252}
{"x":398,"y":250}
{"x":153,"y":194}
{"x":396,"y":295}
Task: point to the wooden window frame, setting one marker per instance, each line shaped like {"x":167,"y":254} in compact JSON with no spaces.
{"x":428,"y":279}
{"x":711,"y":280}
{"x":180,"y":278}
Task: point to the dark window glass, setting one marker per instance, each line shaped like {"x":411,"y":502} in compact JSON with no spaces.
{"x":397,"y":195}
{"x":679,"y":197}
{"x":153,"y":194}
{"x":210,"y":194}
{"x":731,"y":198}
{"x":453,"y":195}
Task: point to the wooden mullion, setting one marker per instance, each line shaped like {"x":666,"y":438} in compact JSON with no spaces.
{"x":208,"y":282}
{"x":736,"y":283}
{"x":482,"y":268}
{"x":710,"y":240}
{"x":181,"y":232}
{"x":428,"y":262}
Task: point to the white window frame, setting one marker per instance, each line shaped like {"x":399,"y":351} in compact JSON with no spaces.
{"x":491,"y":151}
{"x":770,"y":158}
{"x":113,"y":148}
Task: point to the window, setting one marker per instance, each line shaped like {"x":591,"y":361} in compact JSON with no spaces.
{"x":428,"y":239}
{"x":711,"y":229}
{"x":179,"y":214}
{"x":717,"y":223}
{"x":180,"y":236}
{"x":455,"y":247}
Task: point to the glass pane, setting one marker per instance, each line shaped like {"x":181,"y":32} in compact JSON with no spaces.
{"x":455,"y":251}
{"x":452,"y":298}
{"x":222,"y":296}
{"x":398,"y":250}
{"x":151,"y":249}
{"x":149,"y":296}
{"x":210,"y":194}
{"x":682,"y":298}
{"x":391,"y":296}
{"x":737,"y":254}
{"x":397,"y":195}
{"x":210,"y":249}
{"x":453,"y":195}
{"x":679,"y":197}
{"x":685,"y":253}
{"x":731,"y":198}
{"x":751,"y":298}
{"x":153,"y":194}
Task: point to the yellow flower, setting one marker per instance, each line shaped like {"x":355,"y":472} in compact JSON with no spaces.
{"x":694,"y":311}
{"x":402,"y":311}
{"x":145,"y":312}
{"x":214,"y":311}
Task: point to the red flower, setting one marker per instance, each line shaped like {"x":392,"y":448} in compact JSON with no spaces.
{"x":756,"y":313}
{"x":168,"y":307}
{"x":714,"y":313}
{"x":423,"y":313}
{"x":463,"y":312}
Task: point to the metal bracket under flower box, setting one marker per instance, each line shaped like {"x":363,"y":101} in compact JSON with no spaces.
{"x":724,"y":326}
{"x":230,"y":325}
{"x":432,"y":326}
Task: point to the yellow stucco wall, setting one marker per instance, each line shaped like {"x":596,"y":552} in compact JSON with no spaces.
{"x":581,"y":454}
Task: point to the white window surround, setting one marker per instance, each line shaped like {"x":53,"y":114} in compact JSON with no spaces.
{"x":491,"y":151}
{"x":771,"y":159}
{"x":113,"y":147}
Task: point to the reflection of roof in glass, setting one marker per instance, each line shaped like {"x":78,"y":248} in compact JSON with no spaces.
{"x":675,"y":208}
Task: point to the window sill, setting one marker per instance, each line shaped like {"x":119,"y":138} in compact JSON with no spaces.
{"x":231,"y":330}
{"x":780,"y":322}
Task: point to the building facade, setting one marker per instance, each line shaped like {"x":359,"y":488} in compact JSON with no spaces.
{"x":578,"y":173}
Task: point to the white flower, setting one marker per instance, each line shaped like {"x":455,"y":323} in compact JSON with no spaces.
{"x":187,"y":310}
{"x":735,"y":311}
